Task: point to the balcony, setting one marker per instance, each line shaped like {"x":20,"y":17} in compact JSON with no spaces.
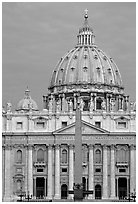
{"x":39,"y":164}
{"x":122,"y":164}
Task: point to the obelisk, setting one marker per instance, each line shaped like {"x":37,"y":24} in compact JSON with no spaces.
{"x":78,"y":189}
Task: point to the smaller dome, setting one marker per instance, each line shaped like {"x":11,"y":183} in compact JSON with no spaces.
{"x":27,"y":103}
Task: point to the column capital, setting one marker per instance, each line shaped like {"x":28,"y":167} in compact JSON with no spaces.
{"x":112,"y":147}
{"x":30,"y":146}
{"x":105,"y":146}
{"x":132,"y":147}
{"x":57,"y":146}
{"x":91,"y":146}
{"x":71,"y":146}
{"x":50,"y":146}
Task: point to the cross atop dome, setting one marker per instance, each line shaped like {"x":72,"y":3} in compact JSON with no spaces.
{"x":86,"y":13}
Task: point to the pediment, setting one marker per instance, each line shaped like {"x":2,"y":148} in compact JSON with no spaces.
{"x":40,"y":118}
{"x":87,"y":128}
{"x":123,"y":118}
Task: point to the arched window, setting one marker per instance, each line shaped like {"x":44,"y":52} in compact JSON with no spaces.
{"x":64,"y":156}
{"x":97,"y":156}
{"x":40,"y":155}
{"x":19,"y":156}
{"x":98,"y":104}
{"x":19,"y":185}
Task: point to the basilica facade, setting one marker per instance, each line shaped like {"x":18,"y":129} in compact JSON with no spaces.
{"x":38,"y":147}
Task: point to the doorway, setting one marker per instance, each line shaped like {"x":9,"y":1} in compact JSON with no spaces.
{"x":40,"y":187}
{"x":98,"y":192}
{"x":122,"y":188}
{"x":64,"y":191}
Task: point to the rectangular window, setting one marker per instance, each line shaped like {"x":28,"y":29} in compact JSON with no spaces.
{"x":39,"y":170}
{"x":19,"y":170}
{"x":64,"y":170}
{"x":19,"y":125}
{"x":98,"y":124}
{"x":64,"y":124}
{"x":122,"y":170}
{"x":97,"y":170}
{"x":40,"y":125}
{"x":122,"y":125}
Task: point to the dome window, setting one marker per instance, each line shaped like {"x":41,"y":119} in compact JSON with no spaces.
{"x":116,"y":71}
{"x":95,"y":57}
{"x":98,"y":69}
{"x":67,"y":57}
{"x":104,"y":57}
{"x":75,"y":56}
{"x":93,"y":50}
{"x":62,"y":69}
{"x":59,"y":81}
{"x":85,"y":69}
{"x":72,"y":68}
{"x":111,"y":59}
{"x":85,"y":56}
{"x":109,"y":70}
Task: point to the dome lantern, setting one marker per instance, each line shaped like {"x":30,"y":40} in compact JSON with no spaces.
{"x":86,"y":36}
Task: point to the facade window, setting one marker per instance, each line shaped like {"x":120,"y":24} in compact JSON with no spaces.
{"x":98,"y":156}
{"x":97,"y":170}
{"x":64,"y":124}
{"x":19,"y":125}
{"x":98,"y":124}
{"x":122,"y":125}
{"x":39,"y":170}
{"x":121,"y":155}
{"x":122,"y":170}
{"x":40,"y":125}
{"x":40,"y":155}
{"x":19,"y":170}
{"x":19,"y":185}
{"x":64,"y":156}
{"x":64,"y":170}
{"x":19,"y":156}
{"x":98,"y":104}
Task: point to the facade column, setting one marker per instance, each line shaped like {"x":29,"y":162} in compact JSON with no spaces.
{"x":45,"y":187}
{"x":26,"y":169}
{"x":71,"y":170}
{"x":91,"y":172}
{"x":30,"y":170}
{"x":7,"y":193}
{"x":112,"y":175}
{"x":132,"y":169}
{"x":105,"y":173}
{"x":34,"y":186}
{"x":57,"y":172}
{"x":3,"y":171}
{"x":50,"y":174}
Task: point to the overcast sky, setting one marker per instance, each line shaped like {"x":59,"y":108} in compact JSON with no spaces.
{"x":36,"y":35}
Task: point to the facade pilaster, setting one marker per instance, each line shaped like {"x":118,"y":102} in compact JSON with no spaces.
{"x":57,"y":172}
{"x":71,"y":170}
{"x":30,"y":170}
{"x":91,"y":172}
{"x":49,"y":195}
{"x":132,"y":169}
{"x":105,"y":173}
{"x":112,"y":176}
{"x":7,"y":191}
{"x":3,"y":171}
{"x":26,"y":169}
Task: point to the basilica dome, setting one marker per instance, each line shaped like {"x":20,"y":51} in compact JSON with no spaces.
{"x":86,"y":65}
{"x":27,"y":103}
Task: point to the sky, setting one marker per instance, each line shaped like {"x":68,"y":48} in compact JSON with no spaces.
{"x":36,"y":35}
